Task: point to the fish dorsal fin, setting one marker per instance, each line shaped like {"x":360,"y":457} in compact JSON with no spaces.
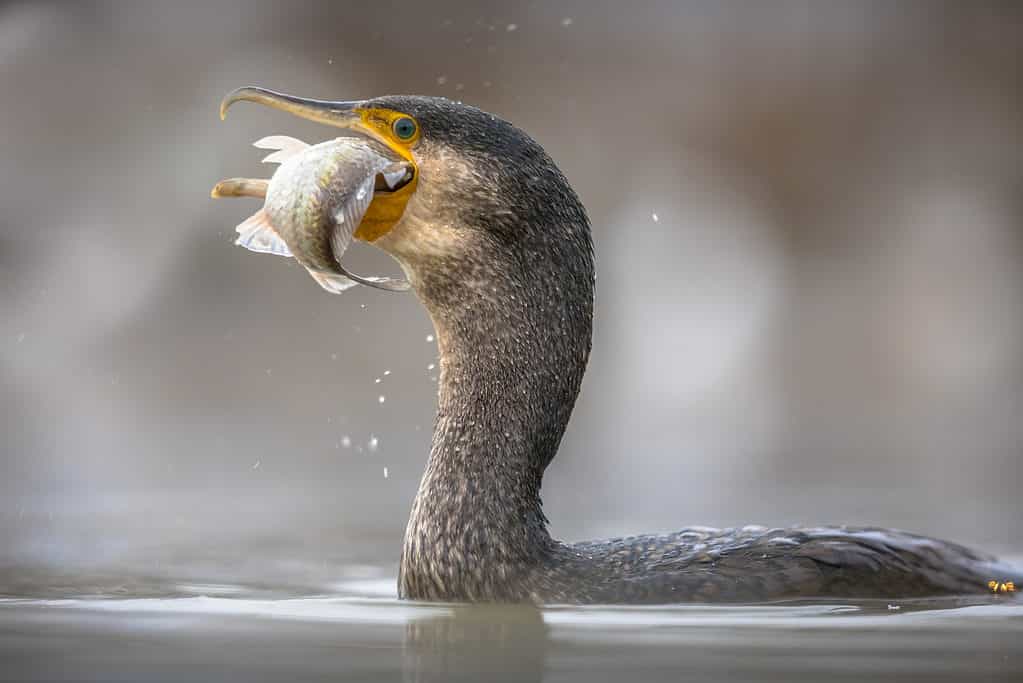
{"x":256,"y":233}
{"x":286,"y":147}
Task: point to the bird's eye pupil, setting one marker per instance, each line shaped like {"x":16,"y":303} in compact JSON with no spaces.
{"x":404,"y":128}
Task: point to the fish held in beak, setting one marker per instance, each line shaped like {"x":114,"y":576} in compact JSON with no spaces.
{"x":315,"y":201}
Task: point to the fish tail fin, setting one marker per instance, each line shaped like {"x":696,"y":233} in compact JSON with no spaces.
{"x":256,"y":233}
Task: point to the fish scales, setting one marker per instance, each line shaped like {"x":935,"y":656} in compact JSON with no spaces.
{"x":307,"y":195}
{"x":314,"y":203}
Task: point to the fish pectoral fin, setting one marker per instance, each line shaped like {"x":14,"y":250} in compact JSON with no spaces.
{"x":335,"y":284}
{"x":286,"y":147}
{"x":256,"y":233}
{"x":349,"y":214}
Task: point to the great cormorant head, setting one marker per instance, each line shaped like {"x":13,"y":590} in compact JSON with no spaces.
{"x":483,"y":193}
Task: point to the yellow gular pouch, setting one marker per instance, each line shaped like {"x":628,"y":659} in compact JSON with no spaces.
{"x":400,"y":132}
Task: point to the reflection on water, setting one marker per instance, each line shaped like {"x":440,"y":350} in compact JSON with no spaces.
{"x":485,"y":642}
{"x":360,"y":631}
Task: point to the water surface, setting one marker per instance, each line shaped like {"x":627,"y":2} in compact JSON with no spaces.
{"x":357,"y":630}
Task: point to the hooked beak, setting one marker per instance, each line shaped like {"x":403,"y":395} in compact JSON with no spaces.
{"x":338,"y":114}
{"x":392,"y":193}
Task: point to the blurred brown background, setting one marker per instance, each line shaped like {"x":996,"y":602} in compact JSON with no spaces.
{"x":809,"y":226}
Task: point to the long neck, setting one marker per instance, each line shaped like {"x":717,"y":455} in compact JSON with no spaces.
{"x":514,"y":337}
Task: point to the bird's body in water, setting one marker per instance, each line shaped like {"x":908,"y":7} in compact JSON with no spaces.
{"x":497,"y":246}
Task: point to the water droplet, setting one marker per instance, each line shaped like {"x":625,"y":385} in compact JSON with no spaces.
{"x":381,"y":398}
{"x":21,"y":337}
{"x":441,"y":80}
{"x":655,"y":217}
{"x":373,"y":443}
{"x":269,"y":372}
{"x":511,"y":27}
{"x":346,"y":441}
{"x":431,"y":366}
{"x":256,"y":466}
{"x":459,"y":87}
{"x":330,"y":61}
{"x":333,"y":356}
{"x":385,"y":473}
{"x":377,"y":381}
{"x":429,"y":338}
{"x":386,"y":373}
{"x":567,"y":21}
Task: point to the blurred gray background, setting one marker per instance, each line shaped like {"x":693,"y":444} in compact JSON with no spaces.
{"x":809,"y":227}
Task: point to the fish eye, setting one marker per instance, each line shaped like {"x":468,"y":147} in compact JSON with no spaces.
{"x":404,"y":128}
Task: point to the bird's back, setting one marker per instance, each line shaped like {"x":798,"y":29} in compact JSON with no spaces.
{"x":754,"y":564}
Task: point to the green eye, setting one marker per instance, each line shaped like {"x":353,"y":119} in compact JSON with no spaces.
{"x":404,"y":128}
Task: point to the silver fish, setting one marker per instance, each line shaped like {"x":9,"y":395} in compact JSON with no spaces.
{"x":315,"y":201}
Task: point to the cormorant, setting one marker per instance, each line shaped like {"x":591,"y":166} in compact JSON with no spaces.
{"x":497,"y":246}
